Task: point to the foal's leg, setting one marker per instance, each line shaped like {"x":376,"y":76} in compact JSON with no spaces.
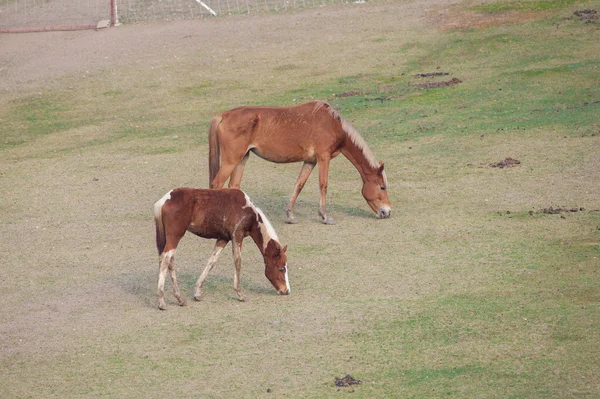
{"x":307,"y":168}
{"x":237,"y":260}
{"x":167,"y":261}
{"x":219,"y":245}
{"x":323,"y":175}
{"x":236,"y":176}
{"x":174,"y":281}
{"x":163,"y":265}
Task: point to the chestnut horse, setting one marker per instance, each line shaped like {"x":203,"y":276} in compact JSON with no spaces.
{"x":313,"y":133}
{"x":225,"y":214}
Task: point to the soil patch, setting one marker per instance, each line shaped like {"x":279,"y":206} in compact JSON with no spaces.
{"x":351,"y":93}
{"x":430,"y":74}
{"x":506,"y":163}
{"x":586,"y":15}
{"x":556,"y":211}
{"x":346,"y":381}
{"x":435,"y":85}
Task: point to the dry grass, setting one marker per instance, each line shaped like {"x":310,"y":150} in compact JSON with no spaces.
{"x":467,"y":291}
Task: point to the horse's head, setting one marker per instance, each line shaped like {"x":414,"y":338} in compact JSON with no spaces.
{"x":375,"y":192}
{"x":276,"y":267}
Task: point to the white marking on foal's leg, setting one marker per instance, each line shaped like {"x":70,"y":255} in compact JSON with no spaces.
{"x":237,"y":260}
{"x":164,"y":261}
{"x":212,"y":260}
{"x":174,"y":283}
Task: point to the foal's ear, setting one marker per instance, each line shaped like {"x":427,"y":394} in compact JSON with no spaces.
{"x":380,"y":167}
{"x":284,"y":249}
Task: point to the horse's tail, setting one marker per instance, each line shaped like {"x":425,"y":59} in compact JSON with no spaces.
{"x":214,"y":149}
{"x":161,"y":239}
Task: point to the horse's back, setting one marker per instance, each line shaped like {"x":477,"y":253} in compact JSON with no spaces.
{"x":282,"y":134}
{"x":208,"y":213}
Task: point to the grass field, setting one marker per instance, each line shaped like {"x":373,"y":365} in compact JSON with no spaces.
{"x":484,"y":283}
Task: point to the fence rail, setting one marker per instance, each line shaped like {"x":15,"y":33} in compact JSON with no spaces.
{"x":37,"y":15}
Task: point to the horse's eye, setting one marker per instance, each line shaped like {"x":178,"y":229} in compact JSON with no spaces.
{"x":383,"y":188}
{"x":282,"y":270}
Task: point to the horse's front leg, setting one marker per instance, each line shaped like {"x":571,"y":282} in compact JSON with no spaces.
{"x":219,"y":245}
{"x":323,"y":175}
{"x":307,"y":168}
{"x":237,"y":261}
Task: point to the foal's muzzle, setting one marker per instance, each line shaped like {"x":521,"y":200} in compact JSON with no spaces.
{"x":283,"y":292}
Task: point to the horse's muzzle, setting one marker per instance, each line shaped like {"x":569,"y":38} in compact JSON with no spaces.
{"x":283,"y":292}
{"x":384,"y":213}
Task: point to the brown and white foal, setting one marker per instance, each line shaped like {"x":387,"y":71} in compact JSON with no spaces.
{"x":223,"y":214}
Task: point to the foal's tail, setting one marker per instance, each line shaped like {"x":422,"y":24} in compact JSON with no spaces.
{"x":214,"y":149}
{"x":161,"y":239}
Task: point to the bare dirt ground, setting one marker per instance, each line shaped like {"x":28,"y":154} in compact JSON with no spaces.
{"x":36,"y":60}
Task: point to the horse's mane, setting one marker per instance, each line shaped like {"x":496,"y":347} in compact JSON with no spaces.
{"x":263,"y":222}
{"x":354,"y":135}
{"x":271,"y":231}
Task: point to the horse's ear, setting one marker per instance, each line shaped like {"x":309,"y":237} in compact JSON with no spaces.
{"x":284,"y":249}
{"x":380,"y":167}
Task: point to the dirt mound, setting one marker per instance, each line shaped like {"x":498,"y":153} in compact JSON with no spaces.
{"x":346,"y":381}
{"x":586,"y":15}
{"x":351,"y":93}
{"x":435,"y":85}
{"x":555,"y":211}
{"x":506,"y":163}
{"x":430,"y":74}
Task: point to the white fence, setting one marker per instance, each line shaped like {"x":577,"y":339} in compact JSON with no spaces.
{"x":35,"y":15}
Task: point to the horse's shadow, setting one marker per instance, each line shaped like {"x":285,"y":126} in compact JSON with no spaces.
{"x":306,"y":208}
{"x":142,"y":286}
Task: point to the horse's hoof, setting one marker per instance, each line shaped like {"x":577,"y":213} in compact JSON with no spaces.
{"x":328,"y":220}
{"x":291,"y":220}
{"x":162,"y":306}
{"x":182,"y":303}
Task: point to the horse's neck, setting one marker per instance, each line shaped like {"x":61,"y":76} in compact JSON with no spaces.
{"x":357,"y":157}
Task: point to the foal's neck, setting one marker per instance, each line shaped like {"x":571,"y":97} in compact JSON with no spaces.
{"x":262,"y":231}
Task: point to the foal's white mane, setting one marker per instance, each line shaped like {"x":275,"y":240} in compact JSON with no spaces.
{"x":266,"y":228}
{"x":354,"y":135}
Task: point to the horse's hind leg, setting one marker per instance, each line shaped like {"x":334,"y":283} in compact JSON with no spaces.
{"x":305,"y":172}
{"x":219,"y":245}
{"x":236,"y":176}
{"x":222,"y":175}
{"x":167,"y":261}
{"x":163,"y":265}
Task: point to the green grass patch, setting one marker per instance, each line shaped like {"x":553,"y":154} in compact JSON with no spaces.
{"x":525,"y":5}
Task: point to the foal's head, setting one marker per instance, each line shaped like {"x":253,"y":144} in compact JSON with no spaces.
{"x":276,"y":267}
{"x":375,"y":192}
